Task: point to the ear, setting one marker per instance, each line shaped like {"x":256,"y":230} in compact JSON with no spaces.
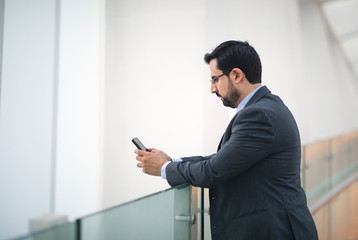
{"x":238,"y":75}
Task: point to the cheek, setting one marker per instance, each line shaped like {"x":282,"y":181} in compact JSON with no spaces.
{"x":221,"y":89}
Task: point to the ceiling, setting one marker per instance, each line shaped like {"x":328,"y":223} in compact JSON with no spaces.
{"x":342,"y":18}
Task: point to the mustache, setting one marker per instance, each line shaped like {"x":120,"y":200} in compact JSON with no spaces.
{"x":218,"y":94}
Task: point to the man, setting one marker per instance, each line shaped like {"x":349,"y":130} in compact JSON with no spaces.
{"x":254,"y":178}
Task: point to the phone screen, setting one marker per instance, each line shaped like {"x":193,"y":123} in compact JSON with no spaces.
{"x":139,"y":144}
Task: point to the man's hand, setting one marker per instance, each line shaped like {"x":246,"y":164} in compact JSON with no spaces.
{"x":152,"y":161}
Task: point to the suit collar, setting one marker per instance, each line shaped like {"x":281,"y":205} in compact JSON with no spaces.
{"x":258,"y":95}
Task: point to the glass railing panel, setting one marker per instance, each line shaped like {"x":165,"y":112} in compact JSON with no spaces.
{"x":303,"y":167}
{"x":338,"y":219}
{"x":207,"y":229}
{"x":344,"y":163}
{"x":326,"y":164}
{"x":340,"y":159}
{"x":183,"y":217}
{"x":165,"y":215}
{"x":196,"y":200}
{"x":59,"y":232}
{"x":353,"y":149}
{"x":317,"y":169}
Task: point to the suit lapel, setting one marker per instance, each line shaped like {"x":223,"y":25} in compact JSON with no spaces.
{"x":227,"y":133}
{"x":255,"y":98}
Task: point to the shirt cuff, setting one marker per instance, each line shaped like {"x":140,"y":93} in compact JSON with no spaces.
{"x":164,"y":167}
{"x":177,"y":159}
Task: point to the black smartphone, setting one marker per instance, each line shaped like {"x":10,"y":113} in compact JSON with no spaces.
{"x":139,"y":144}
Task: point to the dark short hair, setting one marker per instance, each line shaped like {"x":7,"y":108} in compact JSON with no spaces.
{"x":237,"y":54}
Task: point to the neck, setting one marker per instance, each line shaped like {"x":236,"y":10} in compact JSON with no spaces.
{"x":247,"y":90}
{"x":253,"y":87}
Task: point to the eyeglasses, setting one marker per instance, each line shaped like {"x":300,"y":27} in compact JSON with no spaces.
{"x":215,"y":79}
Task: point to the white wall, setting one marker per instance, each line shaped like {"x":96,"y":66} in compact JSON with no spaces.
{"x":50,"y":119}
{"x":79,"y":120}
{"x":27,"y":88}
{"x":326,"y":90}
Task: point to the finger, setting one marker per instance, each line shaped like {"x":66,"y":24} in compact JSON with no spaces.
{"x":141,"y":152}
{"x":140,"y":165}
{"x":146,"y":171}
{"x":139,"y":158}
{"x":137,"y":151}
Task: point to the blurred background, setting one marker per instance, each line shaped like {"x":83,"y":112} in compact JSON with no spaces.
{"x":81,"y":78}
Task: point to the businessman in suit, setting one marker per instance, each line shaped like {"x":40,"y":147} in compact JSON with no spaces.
{"x":254,"y":178}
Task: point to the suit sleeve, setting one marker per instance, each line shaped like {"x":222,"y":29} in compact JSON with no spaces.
{"x":251,"y":140}
{"x":197,"y":158}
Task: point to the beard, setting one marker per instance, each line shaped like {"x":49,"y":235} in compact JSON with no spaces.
{"x":233,"y":96}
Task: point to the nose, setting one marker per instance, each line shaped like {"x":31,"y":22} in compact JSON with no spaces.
{"x":213,"y":88}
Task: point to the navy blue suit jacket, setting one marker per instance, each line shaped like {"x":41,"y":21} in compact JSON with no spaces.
{"x":254,"y":178}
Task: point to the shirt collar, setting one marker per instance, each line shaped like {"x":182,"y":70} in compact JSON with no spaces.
{"x":246,"y":99}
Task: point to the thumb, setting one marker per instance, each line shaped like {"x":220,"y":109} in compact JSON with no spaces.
{"x":150,"y":149}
